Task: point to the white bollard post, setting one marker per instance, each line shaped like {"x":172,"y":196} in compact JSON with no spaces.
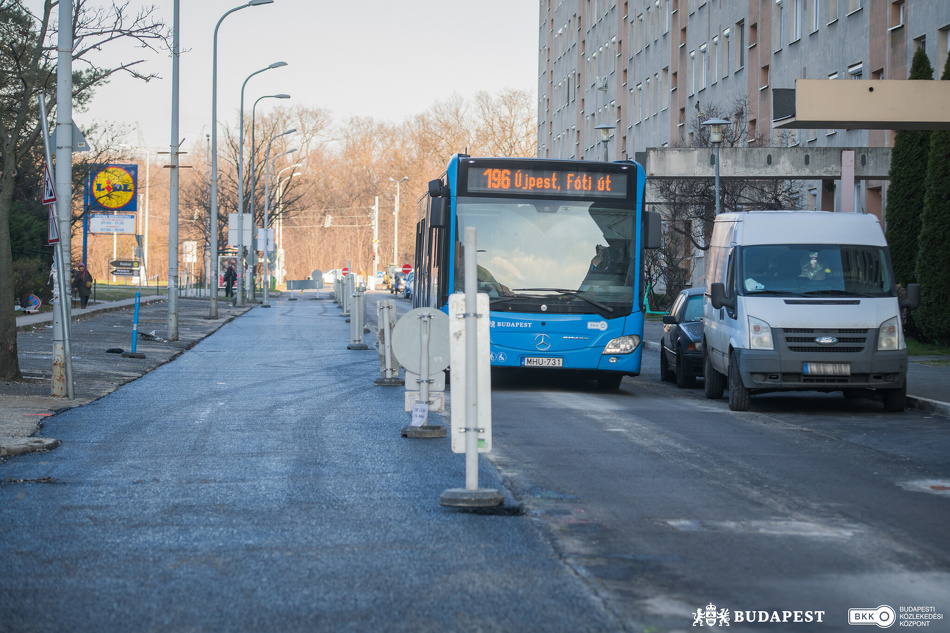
{"x":388,"y":368}
{"x":356,"y":323}
{"x":471,"y":496}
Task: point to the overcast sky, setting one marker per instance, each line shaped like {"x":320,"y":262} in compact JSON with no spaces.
{"x":388,"y":59}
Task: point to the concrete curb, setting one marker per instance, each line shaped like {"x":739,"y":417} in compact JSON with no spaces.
{"x":926,"y":404}
{"x":31,"y":321}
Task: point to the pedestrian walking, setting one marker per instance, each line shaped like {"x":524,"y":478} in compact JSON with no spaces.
{"x":230,"y":276}
{"x":82,"y":284}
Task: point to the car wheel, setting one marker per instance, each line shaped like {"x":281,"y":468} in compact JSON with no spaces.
{"x":738,"y":393}
{"x":683,"y":381}
{"x":609,"y":381}
{"x":664,"y":365}
{"x":895,"y":400}
{"x":714,"y":383}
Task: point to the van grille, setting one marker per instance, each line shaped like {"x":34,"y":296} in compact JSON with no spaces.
{"x":850,"y":340}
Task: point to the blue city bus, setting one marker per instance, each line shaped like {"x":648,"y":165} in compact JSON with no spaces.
{"x":560,"y":248}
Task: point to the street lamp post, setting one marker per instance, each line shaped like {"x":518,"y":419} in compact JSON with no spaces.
{"x":266,"y":304}
{"x":213,"y":312}
{"x":241,"y":264}
{"x":605,"y":137}
{"x":396,"y":220}
{"x":253,"y":167}
{"x":279,"y":229}
{"x":715,"y":137}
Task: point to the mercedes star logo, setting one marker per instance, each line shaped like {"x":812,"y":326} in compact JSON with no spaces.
{"x":542,"y":342}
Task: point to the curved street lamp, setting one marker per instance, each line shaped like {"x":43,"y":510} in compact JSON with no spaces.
{"x":253,"y":169}
{"x":213,"y":313}
{"x":267,"y":209}
{"x":242,"y":266}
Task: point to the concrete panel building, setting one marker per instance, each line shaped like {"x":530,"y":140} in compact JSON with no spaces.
{"x":652,"y":68}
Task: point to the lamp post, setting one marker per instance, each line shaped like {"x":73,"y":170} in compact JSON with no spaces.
{"x":605,"y":137}
{"x":213,"y":312}
{"x":715,"y":137}
{"x":267,"y":209}
{"x":396,"y":220}
{"x":279,"y":229}
{"x":241,"y":264}
{"x":253,"y":168}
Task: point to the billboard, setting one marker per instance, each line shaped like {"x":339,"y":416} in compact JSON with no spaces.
{"x":112,"y":188}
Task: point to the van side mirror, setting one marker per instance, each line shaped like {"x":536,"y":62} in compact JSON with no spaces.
{"x":669,"y":319}
{"x":717,"y":296}
{"x":439,"y":213}
{"x":652,"y":225}
{"x":912,"y":302}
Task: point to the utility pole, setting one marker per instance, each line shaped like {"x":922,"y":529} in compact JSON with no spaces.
{"x":372,"y":282}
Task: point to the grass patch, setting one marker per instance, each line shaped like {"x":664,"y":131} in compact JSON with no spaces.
{"x":915,"y":348}
{"x":106,"y":292}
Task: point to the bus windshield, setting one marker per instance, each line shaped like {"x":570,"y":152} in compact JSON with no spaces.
{"x":573,"y":256}
{"x":816,"y":269}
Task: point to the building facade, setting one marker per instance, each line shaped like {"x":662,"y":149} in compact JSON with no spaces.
{"x":652,"y":69}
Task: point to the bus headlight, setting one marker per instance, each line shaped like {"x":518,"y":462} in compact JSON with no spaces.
{"x":888,"y":337}
{"x":623,"y":345}
{"x":760,"y":334}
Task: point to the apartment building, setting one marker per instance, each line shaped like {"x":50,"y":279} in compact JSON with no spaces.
{"x":653,"y":68}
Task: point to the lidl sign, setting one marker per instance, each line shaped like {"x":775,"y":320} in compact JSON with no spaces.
{"x":113,"y":188}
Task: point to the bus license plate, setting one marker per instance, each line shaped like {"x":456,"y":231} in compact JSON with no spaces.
{"x":826,"y":369}
{"x":541,"y":361}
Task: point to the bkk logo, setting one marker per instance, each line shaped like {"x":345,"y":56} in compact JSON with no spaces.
{"x":711,"y":616}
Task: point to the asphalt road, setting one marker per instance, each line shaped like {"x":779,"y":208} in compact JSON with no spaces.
{"x":259,"y":482}
{"x":668,"y":502}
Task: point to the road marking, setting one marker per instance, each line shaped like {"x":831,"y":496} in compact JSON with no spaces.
{"x":777,"y":527}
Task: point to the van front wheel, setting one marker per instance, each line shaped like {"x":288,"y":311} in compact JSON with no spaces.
{"x":738,"y":394}
{"x":713,"y":382}
{"x":895,"y":400}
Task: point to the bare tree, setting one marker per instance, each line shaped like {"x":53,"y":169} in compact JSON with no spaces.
{"x":690,"y":203}
{"x":27,"y":67}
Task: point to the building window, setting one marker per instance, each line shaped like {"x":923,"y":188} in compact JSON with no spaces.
{"x":780,"y":21}
{"x":715,"y":62}
{"x":855,"y":5}
{"x":833,"y":75}
{"x":897,"y":14}
{"x":665,"y":81}
{"x":727,"y":54}
{"x":815,"y":15}
{"x":832,"y":10}
{"x":921,"y":43}
{"x":704,"y":68}
{"x":856,"y":71}
{"x":691,"y":71}
{"x":740,"y":45}
{"x":796,"y":20}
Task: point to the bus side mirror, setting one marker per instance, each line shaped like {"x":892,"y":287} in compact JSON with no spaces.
{"x":435,"y":188}
{"x":912,"y":302}
{"x":717,"y":296}
{"x":652,"y":223}
{"x":439,"y":213}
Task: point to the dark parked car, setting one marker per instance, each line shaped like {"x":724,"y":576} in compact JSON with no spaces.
{"x":681,"y":348}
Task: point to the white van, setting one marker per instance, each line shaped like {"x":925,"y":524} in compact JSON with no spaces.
{"x":802,"y":300}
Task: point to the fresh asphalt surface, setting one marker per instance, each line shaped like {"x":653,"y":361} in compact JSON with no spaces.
{"x":260,"y":483}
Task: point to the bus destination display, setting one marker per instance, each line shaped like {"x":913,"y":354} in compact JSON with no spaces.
{"x":562,"y":182}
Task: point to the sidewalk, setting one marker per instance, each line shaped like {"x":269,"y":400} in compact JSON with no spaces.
{"x":928,"y":377}
{"x":96,"y":371}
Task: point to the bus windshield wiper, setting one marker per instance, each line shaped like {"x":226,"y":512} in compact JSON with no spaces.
{"x":770,"y":292}
{"x":565,"y":291}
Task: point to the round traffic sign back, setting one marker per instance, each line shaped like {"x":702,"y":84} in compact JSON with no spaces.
{"x":406,"y":269}
{"x":407,"y":337}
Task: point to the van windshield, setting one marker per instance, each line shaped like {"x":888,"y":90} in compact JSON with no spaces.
{"x":816,"y":269}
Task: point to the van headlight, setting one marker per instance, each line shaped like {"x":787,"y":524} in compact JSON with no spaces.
{"x":889,"y":335}
{"x":623,"y":345}
{"x":760,"y":334}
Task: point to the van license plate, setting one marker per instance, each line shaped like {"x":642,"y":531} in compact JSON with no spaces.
{"x":541,"y":361}
{"x":826,"y":369}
